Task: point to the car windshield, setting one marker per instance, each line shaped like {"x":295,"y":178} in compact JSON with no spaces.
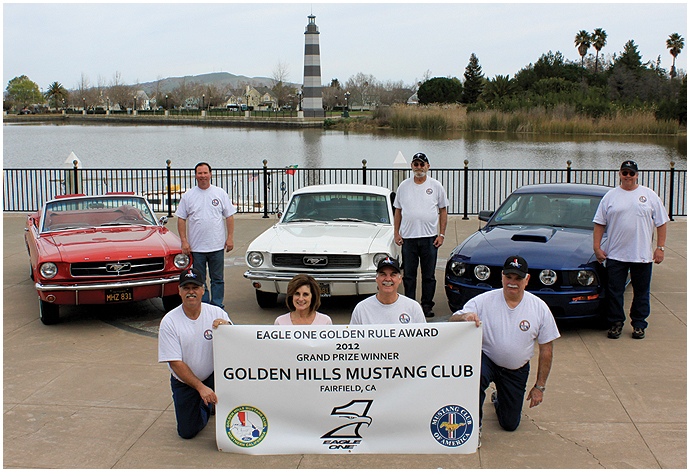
{"x":562,"y":210}
{"x":96,"y":211}
{"x":337,"y":206}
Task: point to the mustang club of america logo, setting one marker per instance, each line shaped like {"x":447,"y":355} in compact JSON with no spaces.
{"x":246,"y":426}
{"x":215,"y":202}
{"x":452,"y":426}
{"x":404,"y":318}
{"x":524,"y":325}
{"x":429,"y":191}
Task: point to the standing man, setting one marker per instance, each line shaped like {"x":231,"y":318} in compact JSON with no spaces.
{"x":185,"y":342}
{"x":513,"y":320}
{"x":204,"y":216}
{"x":387,"y":306}
{"x":421,"y":216}
{"x":628,"y":214}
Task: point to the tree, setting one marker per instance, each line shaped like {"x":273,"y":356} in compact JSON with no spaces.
{"x":56,"y":92}
{"x":281,"y":74}
{"x":440,"y":90}
{"x":598,"y":41}
{"x":22,"y":91}
{"x":474,"y":81}
{"x":499,"y":87}
{"x":362,"y":89}
{"x":583,"y":41}
{"x":630,"y":57}
{"x":335,"y":84}
{"x":674,"y":43}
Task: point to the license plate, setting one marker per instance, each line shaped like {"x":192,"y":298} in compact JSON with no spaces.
{"x":325,"y":290}
{"x":114,"y":295}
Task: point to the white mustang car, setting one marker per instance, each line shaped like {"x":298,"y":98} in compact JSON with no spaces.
{"x":335,"y":233}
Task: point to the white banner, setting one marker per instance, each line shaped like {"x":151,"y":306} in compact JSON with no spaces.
{"x":348,"y":389}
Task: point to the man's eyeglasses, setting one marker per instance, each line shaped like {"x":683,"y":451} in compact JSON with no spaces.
{"x":630,"y":173}
{"x":418,"y":164}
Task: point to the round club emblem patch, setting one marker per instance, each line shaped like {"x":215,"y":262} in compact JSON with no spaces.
{"x":452,"y":426}
{"x":643,"y":199}
{"x":429,"y":191}
{"x":404,"y":318}
{"x":215,"y":202}
{"x":246,"y":426}
{"x":524,"y":325}
{"x":208,"y":334}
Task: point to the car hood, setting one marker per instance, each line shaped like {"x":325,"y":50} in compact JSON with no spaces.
{"x":338,"y":238}
{"x":540,"y":246}
{"x":114,"y":243}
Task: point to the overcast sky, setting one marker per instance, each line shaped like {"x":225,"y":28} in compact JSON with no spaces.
{"x":392,"y":41}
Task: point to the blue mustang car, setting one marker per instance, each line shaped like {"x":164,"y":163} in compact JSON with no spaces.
{"x":550,"y":226}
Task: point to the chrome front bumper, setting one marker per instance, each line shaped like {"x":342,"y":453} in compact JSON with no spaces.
{"x":107,"y":285}
{"x":341,"y":284}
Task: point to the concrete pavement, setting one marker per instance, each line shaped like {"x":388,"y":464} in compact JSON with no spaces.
{"x":89,"y":392}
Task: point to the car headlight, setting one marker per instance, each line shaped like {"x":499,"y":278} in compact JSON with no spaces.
{"x":547,"y":277}
{"x":379,"y":257}
{"x":457,"y":268}
{"x":482,"y":272}
{"x":586,"y":277}
{"x":48,"y":270}
{"x":255,"y":259}
{"x":181,"y":260}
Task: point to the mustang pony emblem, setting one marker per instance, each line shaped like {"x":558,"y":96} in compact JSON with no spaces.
{"x":118,"y":267}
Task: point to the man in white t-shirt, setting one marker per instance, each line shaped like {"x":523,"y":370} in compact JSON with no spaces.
{"x":204,"y":216}
{"x":513,"y":320}
{"x":421,"y":216}
{"x":628,"y":214}
{"x":387,"y":306}
{"x":185,"y":342}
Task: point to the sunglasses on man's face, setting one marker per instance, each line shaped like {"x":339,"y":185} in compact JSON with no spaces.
{"x":630,"y":173}
{"x":418,"y":164}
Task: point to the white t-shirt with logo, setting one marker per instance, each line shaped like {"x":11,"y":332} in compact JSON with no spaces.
{"x":205,"y":211}
{"x":509,"y":334}
{"x":419,"y":205}
{"x":189,"y":341}
{"x":630,"y":217}
{"x":371,"y":311}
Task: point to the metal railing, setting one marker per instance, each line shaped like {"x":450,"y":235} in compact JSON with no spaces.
{"x":267,"y":190}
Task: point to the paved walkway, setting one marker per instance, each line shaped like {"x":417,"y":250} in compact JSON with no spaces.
{"x":89,"y":392}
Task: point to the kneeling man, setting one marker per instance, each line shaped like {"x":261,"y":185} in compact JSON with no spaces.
{"x":185,"y":342}
{"x":513,"y":320}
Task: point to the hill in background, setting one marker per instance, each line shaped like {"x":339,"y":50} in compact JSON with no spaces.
{"x":219,"y":79}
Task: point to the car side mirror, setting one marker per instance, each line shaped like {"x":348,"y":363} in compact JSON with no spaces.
{"x":163,"y":221}
{"x":485,"y":215}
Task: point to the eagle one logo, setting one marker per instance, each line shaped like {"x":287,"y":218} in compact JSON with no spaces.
{"x":347,"y":436}
{"x":452,"y":426}
{"x":643,"y":199}
{"x":524,"y":325}
{"x":429,"y":191}
{"x":404,"y":318}
{"x":215,"y":202}
{"x":246,"y":426}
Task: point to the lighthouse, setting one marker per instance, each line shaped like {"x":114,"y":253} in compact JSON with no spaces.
{"x":312,"y":103}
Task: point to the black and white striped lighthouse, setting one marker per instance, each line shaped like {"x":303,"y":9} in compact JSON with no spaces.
{"x":312,"y":103}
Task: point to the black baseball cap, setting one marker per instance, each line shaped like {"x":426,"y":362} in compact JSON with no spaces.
{"x":388,"y":262}
{"x":420,"y":156}
{"x":632,"y":165}
{"x":515,"y":265}
{"x":192,"y":276}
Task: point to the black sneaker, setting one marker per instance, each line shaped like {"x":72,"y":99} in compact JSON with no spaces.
{"x":616,"y":330}
{"x":494,"y":397}
{"x":428,"y":312}
{"x":638,"y":333}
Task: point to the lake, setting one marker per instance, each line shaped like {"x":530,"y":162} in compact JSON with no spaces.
{"x":146,"y":146}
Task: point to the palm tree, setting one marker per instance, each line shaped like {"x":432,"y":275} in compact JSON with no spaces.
{"x":598,"y":41}
{"x":583,"y":41}
{"x":674,"y":43}
{"x":56,"y":91}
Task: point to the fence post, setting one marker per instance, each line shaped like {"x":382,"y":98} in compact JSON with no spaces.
{"x":466,"y":171}
{"x":568,"y":172}
{"x":671,"y":189}
{"x":77,"y":184}
{"x":168,"y":162}
{"x":364,"y":171}
{"x":265,"y":188}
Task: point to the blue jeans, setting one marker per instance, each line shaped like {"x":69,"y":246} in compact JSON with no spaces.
{"x":191,"y":412}
{"x":216,"y":267}
{"x":416,"y":252}
{"x":510,"y":391}
{"x":640,"y":278}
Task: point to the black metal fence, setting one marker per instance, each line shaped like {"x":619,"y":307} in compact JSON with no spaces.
{"x":267,"y":190}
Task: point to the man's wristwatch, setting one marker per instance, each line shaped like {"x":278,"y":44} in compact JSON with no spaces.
{"x":661,"y":247}
{"x":540,"y":388}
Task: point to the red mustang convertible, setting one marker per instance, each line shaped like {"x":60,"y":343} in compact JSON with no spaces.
{"x":99,"y":250}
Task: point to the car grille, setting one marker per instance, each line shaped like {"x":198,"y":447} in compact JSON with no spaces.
{"x":335,"y":261}
{"x":117,"y":268}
